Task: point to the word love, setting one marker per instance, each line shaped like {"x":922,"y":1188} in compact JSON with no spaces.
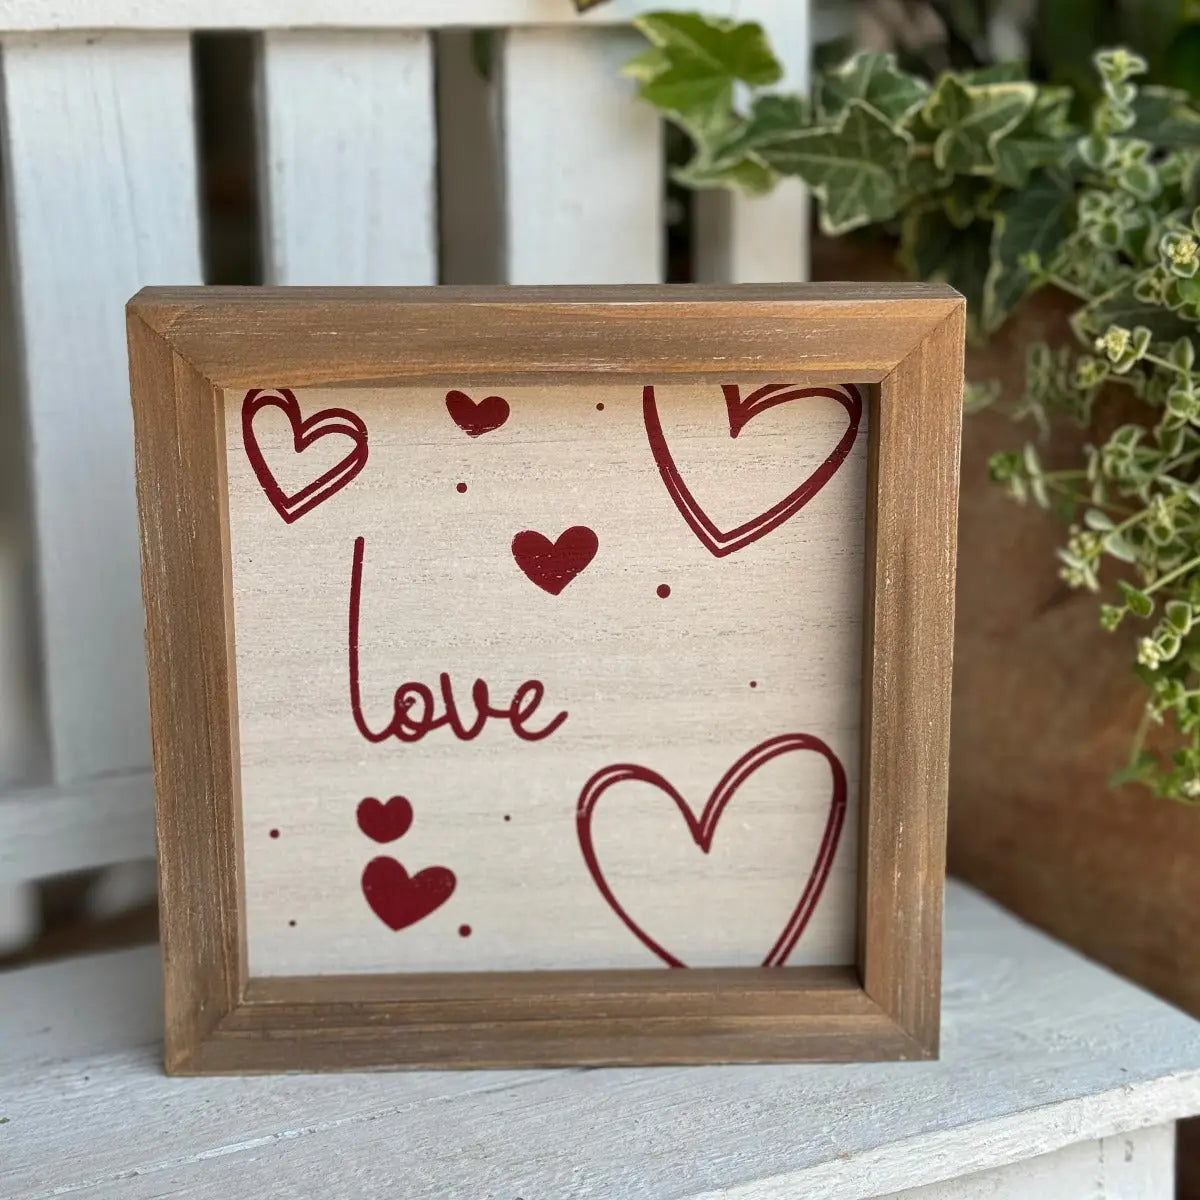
{"x":414,"y":707}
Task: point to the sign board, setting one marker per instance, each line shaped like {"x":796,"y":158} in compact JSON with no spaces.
{"x":548,"y":676}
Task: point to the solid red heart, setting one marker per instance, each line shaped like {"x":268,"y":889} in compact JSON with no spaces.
{"x":385,"y":822}
{"x":329,"y":421}
{"x":552,"y":565}
{"x":475,"y":417}
{"x":399,"y":900}
{"x":740,"y":412}
{"x":704,"y":828}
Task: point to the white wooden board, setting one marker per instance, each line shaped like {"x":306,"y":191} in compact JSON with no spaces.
{"x":344,"y":14}
{"x":50,"y":830}
{"x":1041,"y":1050}
{"x":101,"y":177}
{"x":583,"y":160}
{"x":1138,"y":1165}
{"x":348,"y":141}
{"x":649,"y":649}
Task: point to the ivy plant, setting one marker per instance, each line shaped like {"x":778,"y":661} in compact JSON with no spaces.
{"x":989,"y":185}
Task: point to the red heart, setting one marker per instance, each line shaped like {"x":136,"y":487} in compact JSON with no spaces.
{"x":304,"y":434}
{"x":474,"y":417}
{"x":722,"y":541}
{"x":385,"y":822}
{"x":705,"y":828}
{"x":552,"y":565}
{"x":399,"y":901}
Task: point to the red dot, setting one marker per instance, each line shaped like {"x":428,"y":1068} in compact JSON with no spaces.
{"x":754,"y":683}
{"x":274,"y":832}
{"x":462,"y":487}
{"x":464,"y":931}
{"x":664,"y":590}
{"x":600,"y":407}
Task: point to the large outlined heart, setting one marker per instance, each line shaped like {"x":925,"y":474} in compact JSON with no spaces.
{"x":725,"y":541}
{"x":292,"y":506}
{"x":704,"y":828}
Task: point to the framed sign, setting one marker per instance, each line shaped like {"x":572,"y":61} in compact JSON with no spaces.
{"x":548,"y":676}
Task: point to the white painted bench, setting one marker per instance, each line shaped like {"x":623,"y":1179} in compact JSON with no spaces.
{"x":1057,"y":1081}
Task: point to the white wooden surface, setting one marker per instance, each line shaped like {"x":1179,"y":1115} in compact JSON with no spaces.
{"x":685,"y":685}
{"x":1138,"y":1165}
{"x":101,"y":182}
{"x":49,"y":830}
{"x":344,"y":14}
{"x":760,"y":239}
{"x":583,"y":161}
{"x":1041,"y":1051}
{"x":348,"y":139}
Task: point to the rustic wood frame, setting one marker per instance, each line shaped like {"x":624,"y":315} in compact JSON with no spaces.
{"x":187,"y":345}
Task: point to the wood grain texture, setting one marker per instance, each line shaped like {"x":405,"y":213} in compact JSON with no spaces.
{"x":912,"y":541}
{"x":348,"y":143}
{"x":101,"y":183}
{"x":192,"y":707}
{"x":828,"y":333}
{"x":500,"y":811}
{"x":1043,"y":1050}
{"x":191,"y":344}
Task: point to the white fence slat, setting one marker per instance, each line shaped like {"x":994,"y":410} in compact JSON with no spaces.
{"x":337,"y":14}
{"x":583,"y":161}
{"x":101,"y":180}
{"x":50,"y":830}
{"x":350,"y":157}
{"x":762,"y":239}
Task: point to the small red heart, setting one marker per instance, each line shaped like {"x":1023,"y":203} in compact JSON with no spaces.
{"x":475,"y":417}
{"x":398,"y":900}
{"x":304,"y":433}
{"x":552,"y":565}
{"x":703,"y":828}
{"x":385,"y":822}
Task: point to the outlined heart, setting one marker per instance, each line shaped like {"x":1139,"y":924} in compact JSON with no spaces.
{"x":400,"y":900}
{"x":476,"y":417}
{"x":329,"y":421}
{"x":703,"y":829}
{"x":384,"y":822}
{"x":552,"y":565}
{"x":741,"y":411}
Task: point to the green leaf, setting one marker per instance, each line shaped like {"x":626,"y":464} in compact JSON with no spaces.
{"x":694,"y":63}
{"x":1097,"y":519}
{"x":1034,"y":219}
{"x":1119,"y":547}
{"x":1120,"y":306}
{"x":972,"y":120}
{"x":1139,"y":603}
{"x":1165,"y":117}
{"x":712,"y":46}
{"x":875,"y":80}
{"x":852,"y":168}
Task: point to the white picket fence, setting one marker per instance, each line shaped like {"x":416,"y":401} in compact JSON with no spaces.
{"x":382,"y":152}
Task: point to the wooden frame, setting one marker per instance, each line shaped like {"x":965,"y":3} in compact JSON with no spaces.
{"x":187,"y":345}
